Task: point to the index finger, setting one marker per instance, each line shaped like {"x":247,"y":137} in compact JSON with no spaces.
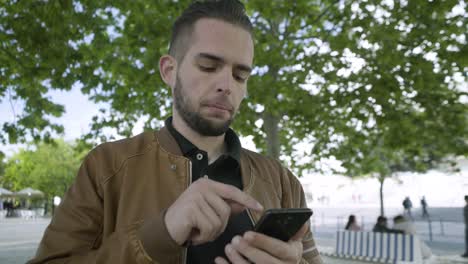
{"x":231,"y":193}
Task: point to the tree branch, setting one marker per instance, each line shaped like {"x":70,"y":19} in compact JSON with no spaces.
{"x":324,"y":12}
{"x":305,"y":27}
{"x":11,"y":105}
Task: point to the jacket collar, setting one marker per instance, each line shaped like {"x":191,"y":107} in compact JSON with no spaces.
{"x":168,"y":143}
{"x":231,"y":140}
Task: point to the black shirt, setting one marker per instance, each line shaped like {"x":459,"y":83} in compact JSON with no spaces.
{"x":226,"y":169}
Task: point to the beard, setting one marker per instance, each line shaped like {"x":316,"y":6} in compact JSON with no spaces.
{"x":193,"y":118}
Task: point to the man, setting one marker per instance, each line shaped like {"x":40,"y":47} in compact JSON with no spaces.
{"x":187,"y":193}
{"x":381,"y":226}
{"x":409,"y":228}
{"x":407,"y":205}
{"x":424,"y":207}
{"x":401,"y":223}
{"x":465,"y":215}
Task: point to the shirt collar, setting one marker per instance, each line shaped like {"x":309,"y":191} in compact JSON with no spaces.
{"x":233,"y":145}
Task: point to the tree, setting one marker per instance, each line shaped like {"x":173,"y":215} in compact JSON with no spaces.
{"x":2,"y":165}
{"x":405,"y":108}
{"x":277,"y":97}
{"x":112,"y":48}
{"x":108,"y":48}
{"x":50,"y":168}
{"x":344,"y":76}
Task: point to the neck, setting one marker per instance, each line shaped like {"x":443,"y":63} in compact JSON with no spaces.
{"x":214,"y":146}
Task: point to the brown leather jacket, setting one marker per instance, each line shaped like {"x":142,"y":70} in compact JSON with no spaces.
{"x":120,"y":184}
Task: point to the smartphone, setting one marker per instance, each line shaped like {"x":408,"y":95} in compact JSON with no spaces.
{"x":282,"y":223}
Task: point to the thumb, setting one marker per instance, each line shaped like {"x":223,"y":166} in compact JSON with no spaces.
{"x":300,"y":234}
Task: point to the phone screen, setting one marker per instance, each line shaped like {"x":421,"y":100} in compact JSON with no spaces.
{"x":282,"y":223}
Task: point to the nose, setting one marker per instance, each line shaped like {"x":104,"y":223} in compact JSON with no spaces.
{"x":226,"y":81}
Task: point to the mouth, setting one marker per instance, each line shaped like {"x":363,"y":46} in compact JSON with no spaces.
{"x":220,"y":106}
{"x":219,"y":110}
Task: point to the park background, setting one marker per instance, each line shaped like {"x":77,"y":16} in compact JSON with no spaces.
{"x":356,"y":97}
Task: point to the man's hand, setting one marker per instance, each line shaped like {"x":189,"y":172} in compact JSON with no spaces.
{"x":258,"y":248}
{"x":202,"y":212}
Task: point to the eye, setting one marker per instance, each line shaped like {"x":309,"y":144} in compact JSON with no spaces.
{"x":207,"y":68}
{"x":240,"y":79}
{"x":241,"y":76}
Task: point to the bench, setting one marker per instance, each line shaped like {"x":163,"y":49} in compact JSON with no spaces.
{"x":378,"y":247}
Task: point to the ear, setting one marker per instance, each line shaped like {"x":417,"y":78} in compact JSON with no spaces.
{"x":168,"y":70}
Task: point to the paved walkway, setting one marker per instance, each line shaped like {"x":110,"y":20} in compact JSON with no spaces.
{"x":435,"y":260}
{"x":20,"y":237}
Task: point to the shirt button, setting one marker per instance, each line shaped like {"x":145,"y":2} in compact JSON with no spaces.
{"x":199,"y":156}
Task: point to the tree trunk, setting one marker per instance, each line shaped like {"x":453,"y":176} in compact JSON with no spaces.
{"x":381,"y":180}
{"x":46,"y":206}
{"x":271,"y":123}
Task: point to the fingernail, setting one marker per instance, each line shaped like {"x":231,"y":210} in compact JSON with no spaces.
{"x":249,"y":236}
{"x":236,"y":240}
{"x":259,"y":206}
{"x":229,"y":248}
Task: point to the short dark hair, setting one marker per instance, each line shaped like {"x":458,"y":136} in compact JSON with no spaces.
{"x":398,"y":218}
{"x":230,"y":11}
{"x":381,"y":219}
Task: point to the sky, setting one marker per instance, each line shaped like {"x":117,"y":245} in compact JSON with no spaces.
{"x":76,"y":119}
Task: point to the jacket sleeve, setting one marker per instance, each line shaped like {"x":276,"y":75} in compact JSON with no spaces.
{"x":75,"y":234}
{"x":310,"y":253}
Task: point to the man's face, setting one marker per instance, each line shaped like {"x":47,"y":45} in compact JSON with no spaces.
{"x":211,"y":80}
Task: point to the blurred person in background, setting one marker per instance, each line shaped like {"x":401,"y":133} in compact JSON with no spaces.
{"x":465,"y":215}
{"x":352,"y":224}
{"x":407,"y":205}
{"x":382,"y":226}
{"x":407,"y":226}
{"x":425,"y":213}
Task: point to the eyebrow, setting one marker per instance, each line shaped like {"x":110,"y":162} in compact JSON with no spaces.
{"x":241,"y":67}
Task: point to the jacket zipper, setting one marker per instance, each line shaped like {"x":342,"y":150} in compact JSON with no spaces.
{"x":251,"y":217}
{"x":249,"y":212}
{"x":184,"y":253}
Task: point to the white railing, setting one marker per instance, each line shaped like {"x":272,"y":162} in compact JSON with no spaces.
{"x":378,"y":247}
